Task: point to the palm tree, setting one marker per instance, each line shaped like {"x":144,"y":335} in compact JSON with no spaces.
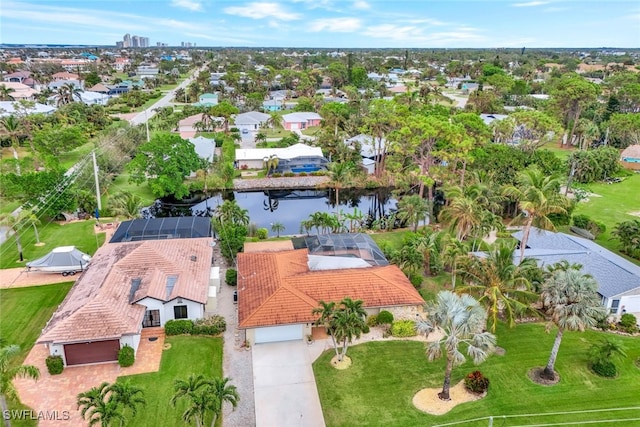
{"x":428,"y":243}
{"x":462,"y":320}
{"x":327,"y":312}
{"x":538,"y":196}
{"x":126,"y":204}
{"x":348,"y":323}
{"x":15,"y":223}
{"x":12,"y":126}
{"x":67,"y":93}
{"x":221,"y":391}
{"x":413,"y":209}
{"x":5,"y":93}
{"x":9,"y":373}
{"x":128,"y":395}
{"x":100,"y":406}
{"x":30,"y":218}
{"x":230,"y":212}
{"x":277,"y":227}
{"x":572,"y":303}
{"x":602,"y":352}
{"x":340,"y":175}
{"x":463,"y":215}
{"x":200,"y":403}
{"x":500,"y":285}
{"x":185,"y":387}
{"x":452,"y":250}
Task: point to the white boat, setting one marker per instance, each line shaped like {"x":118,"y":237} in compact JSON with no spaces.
{"x":64,"y":259}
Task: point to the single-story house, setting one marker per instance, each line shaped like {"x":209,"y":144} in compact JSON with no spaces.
{"x":296,"y":158}
{"x":8,"y":108}
{"x":18,"y":77}
{"x":302,"y":120}
{"x":146,"y":71}
{"x":630,"y":157}
{"x":273,"y":104}
{"x":57,"y":84}
{"x":205,"y":147}
{"x":130,"y":286}
{"x":252,"y":120}
{"x":20,"y":91}
{"x":94,"y":98}
{"x":278,"y":289}
{"x":65,"y":75}
{"x":188,"y":127}
{"x":368,"y":150}
{"x":618,"y":279}
{"x":490,"y":118}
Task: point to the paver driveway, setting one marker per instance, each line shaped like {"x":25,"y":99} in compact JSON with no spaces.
{"x":284,"y":386}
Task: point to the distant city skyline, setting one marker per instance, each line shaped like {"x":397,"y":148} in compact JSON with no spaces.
{"x":327,"y":23}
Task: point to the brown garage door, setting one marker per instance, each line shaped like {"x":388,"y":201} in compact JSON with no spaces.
{"x":92,"y":352}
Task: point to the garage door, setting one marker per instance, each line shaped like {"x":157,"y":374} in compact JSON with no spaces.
{"x":631,"y":304}
{"x":92,"y":352}
{"x":278,"y":333}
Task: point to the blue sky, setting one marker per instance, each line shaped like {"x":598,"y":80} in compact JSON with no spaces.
{"x":326,"y":23}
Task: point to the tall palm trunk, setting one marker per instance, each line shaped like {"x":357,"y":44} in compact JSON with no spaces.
{"x":525,"y":236}
{"x":549,"y":371}
{"x":35,"y":230}
{"x":444,"y":394}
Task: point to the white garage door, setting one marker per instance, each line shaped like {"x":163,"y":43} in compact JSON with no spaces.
{"x":631,"y":303}
{"x":295,"y":126}
{"x":278,"y":333}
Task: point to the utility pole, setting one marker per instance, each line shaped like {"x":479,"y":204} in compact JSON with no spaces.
{"x":95,"y":175}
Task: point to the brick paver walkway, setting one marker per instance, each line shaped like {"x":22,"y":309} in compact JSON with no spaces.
{"x":58,"y":392}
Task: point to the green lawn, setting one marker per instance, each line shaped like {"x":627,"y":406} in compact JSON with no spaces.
{"x":276,"y":133}
{"x":7,"y":206}
{"x":72,"y":157}
{"x":394,"y":238}
{"x":377,"y":389}
{"x":562,"y":153}
{"x":311,"y":131}
{"x":187,"y":355}
{"x":79,"y":234}
{"x":23,"y":314}
{"x":121,"y":183}
{"x":617,"y":203}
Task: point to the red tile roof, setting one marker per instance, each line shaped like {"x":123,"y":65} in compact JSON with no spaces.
{"x":100,"y":304}
{"x":276,"y":288}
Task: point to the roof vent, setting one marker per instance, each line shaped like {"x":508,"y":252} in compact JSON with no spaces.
{"x":194,"y":258}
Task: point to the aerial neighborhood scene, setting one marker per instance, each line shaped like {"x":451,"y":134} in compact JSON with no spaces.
{"x":296,"y":213}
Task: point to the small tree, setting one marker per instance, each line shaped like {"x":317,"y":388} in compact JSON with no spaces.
{"x":602,"y":353}
{"x":277,"y":227}
{"x":8,"y":373}
{"x":462,"y":320}
{"x":343,"y":323}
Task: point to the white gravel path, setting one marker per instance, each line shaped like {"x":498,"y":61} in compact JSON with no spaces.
{"x":237,"y":363}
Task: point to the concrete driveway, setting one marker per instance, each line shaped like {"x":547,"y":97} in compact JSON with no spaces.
{"x":284,"y":386}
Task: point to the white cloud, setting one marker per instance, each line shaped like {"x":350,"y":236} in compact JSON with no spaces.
{"x":361,"y":4}
{"x":427,"y":21}
{"x":556,"y":9}
{"x":258,"y":10}
{"x":335,"y":25}
{"x":395,"y":32}
{"x":530,"y":4}
{"x":191,"y":5}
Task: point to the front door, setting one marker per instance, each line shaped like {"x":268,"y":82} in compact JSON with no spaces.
{"x":151,"y":319}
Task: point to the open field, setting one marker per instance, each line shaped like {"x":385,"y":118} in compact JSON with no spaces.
{"x":79,"y":234}
{"x":204,"y":356}
{"x":377,"y":389}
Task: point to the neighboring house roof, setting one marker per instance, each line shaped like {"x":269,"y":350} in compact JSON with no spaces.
{"x":614,"y":274}
{"x":65,"y":75}
{"x":205,"y":147}
{"x":100,"y":87}
{"x":7,"y":108}
{"x":251,"y":118}
{"x":89,"y":97}
{"x":296,"y":150}
{"x":18,"y":75}
{"x":180,"y":227}
{"x":59,"y":83}
{"x":302,"y":117}
{"x":489,"y":118}
{"x":101,"y":303}
{"x":209,"y":96}
{"x":367,"y":146}
{"x":278,"y":288}
{"x":631,"y":152}
{"x":20,"y":91}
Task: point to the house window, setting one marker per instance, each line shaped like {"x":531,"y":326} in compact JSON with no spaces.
{"x":614,"y":306}
{"x":180,"y":312}
{"x":151,"y":319}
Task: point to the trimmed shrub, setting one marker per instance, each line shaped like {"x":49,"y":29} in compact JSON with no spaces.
{"x":605,"y":368}
{"x":366,"y":329}
{"x":628,"y":323}
{"x":403,"y":328}
{"x":276,"y":175}
{"x":126,"y":356}
{"x":476,"y":382}
{"x":289,"y":174}
{"x":415,"y":279}
{"x":302,"y":174}
{"x":385,"y":318}
{"x":372,"y":320}
{"x":262,"y":233}
{"x":586,"y":223}
{"x":178,"y":327}
{"x":213,"y":325}
{"x":581,"y":221}
{"x":55,"y":365}
{"x":231,"y":277}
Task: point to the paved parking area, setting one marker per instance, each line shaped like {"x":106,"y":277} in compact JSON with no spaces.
{"x":284,"y":386}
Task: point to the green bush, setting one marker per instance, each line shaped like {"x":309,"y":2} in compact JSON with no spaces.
{"x":403,"y":328}
{"x":231,"y":277}
{"x":289,"y":174}
{"x":581,"y":221}
{"x":213,"y":325}
{"x":55,"y":365}
{"x":366,"y":329}
{"x":126,"y":356}
{"x":605,"y":368}
{"x":586,"y":223}
{"x":476,"y":382}
{"x":628,"y":323}
{"x":276,"y":175}
{"x":372,"y":320}
{"x":302,"y":174}
{"x":385,"y":318}
{"x":262,"y":233}
{"x":415,"y":279}
{"x":178,"y":327}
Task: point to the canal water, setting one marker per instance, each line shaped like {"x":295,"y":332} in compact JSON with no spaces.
{"x":288,"y":207}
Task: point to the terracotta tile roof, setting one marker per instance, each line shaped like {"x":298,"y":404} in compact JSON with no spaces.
{"x":100,"y":305}
{"x":632,"y":151}
{"x":65,"y":75}
{"x":275,"y":246}
{"x":277,"y":288}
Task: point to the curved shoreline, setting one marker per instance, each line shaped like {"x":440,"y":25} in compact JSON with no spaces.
{"x":285,"y":183}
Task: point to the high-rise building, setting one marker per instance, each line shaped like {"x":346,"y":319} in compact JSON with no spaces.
{"x":126,"y":40}
{"x":144,"y":41}
{"x":135,"y":41}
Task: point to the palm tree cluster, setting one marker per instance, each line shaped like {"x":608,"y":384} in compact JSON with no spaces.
{"x":9,"y":372}
{"x":204,"y":396}
{"x":343,"y":322}
{"x":108,"y":403}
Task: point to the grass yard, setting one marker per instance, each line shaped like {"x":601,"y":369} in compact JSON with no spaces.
{"x":562,"y":153}
{"x":79,"y":234}
{"x":393,"y":238}
{"x":121,"y":183}
{"x":617,"y":203}
{"x":276,"y":133}
{"x":72,"y":157}
{"x":377,"y":389}
{"x":187,"y":355}
{"x":23,"y":314}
